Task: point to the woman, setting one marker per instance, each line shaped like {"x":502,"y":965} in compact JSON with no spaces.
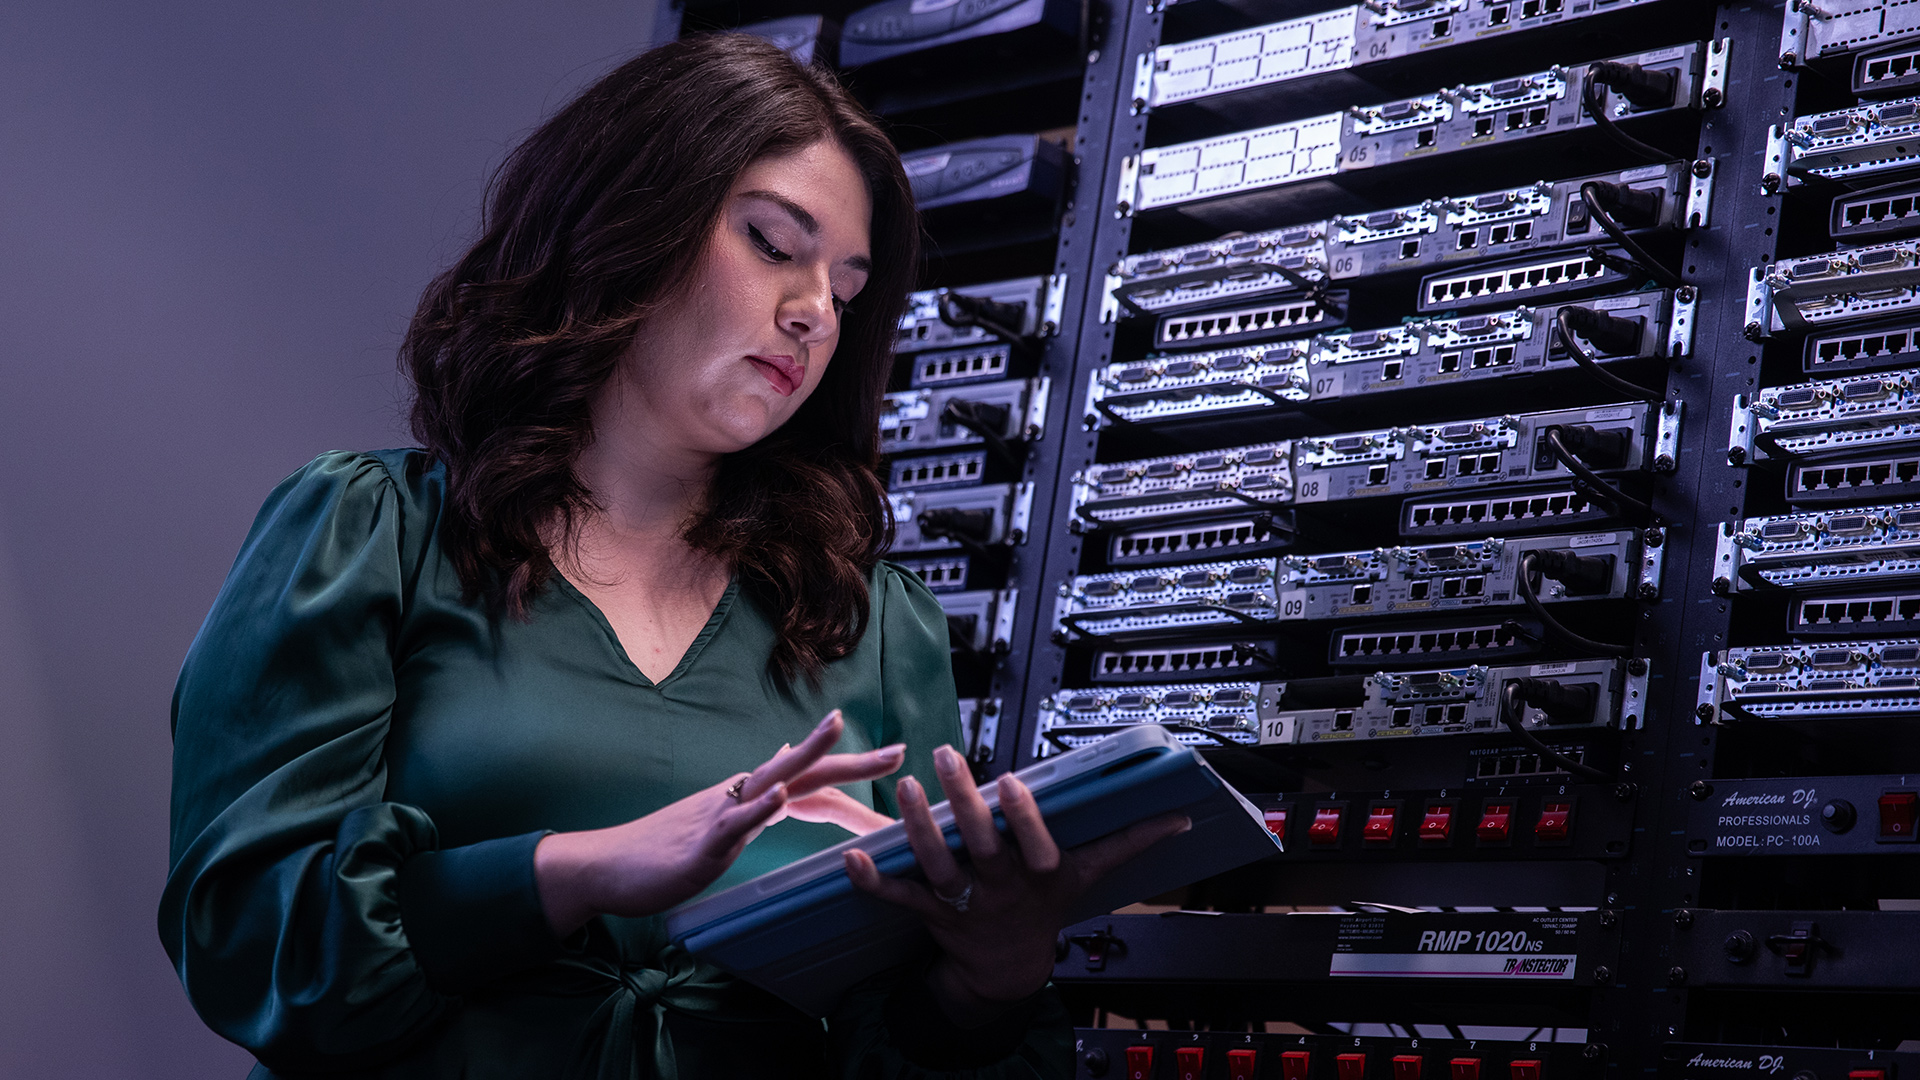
{"x":465,"y":720}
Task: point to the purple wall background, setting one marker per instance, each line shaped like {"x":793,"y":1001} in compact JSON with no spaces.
{"x":214,"y":221}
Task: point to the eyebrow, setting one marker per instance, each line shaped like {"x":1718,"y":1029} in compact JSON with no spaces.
{"x":807,"y":222}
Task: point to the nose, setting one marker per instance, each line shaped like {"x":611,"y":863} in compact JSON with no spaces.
{"x":807,"y":313}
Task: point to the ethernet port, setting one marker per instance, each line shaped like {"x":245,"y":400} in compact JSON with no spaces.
{"x":1536,"y":117}
{"x":1856,"y":214}
{"x":1376,"y":475}
{"x":1557,"y":505}
{"x":1437,"y":469}
{"x":1498,"y":16}
{"x":1390,"y":371}
{"x":1529,"y":9}
{"x":1350,"y":646}
{"x":1523,"y":230}
{"x":1446,"y":642}
{"x":1419,"y":590}
{"x":1499,"y":510}
{"x":1907,"y":470}
{"x":1516,"y":119}
{"x":1489,"y":464}
{"x":1402,"y":717}
{"x":1113,"y":663}
{"x":1483,"y":127}
{"x":1449,"y":363}
{"x":1857,"y":612}
{"x":1878,"y":474}
{"x":1468,"y":238}
{"x":1909,"y":608}
{"x":1456,"y":714}
{"x":1431,"y":717}
{"x":1442,"y":27}
{"x":1343,"y":720}
{"x":1409,"y":249}
{"x":1450,"y":588}
{"x":1422,"y":516}
{"x":1466,"y":467}
{"x":1507,"y":766}
{"x":1477,"y":511}
{"x":1880,"y":610}
{"x":1498,"y":234}
{"x":1363,"y":594}
{"x":1423,"y":138}
{"x":1473,"y":586}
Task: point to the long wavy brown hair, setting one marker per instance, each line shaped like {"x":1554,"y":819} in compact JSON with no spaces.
{"x":590,"y":226}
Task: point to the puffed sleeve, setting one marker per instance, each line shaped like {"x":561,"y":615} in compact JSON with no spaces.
{"x":890,"y":1027}
{"x":312,"y":922}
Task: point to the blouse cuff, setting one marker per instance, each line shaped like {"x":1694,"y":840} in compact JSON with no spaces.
{"x":473,"y":913}
{"x":921,"y":1030}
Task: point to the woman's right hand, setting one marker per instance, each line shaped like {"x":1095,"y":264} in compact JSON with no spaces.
{"x":652,"y":863}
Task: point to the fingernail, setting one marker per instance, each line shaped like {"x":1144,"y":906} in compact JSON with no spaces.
{"x":945,"y":757}
{"x":1009,"y":786}
{"x":897,"y":750}
{"x":908,"y":787}
{"x":1186,"y":825}
{"x":827,"y":722}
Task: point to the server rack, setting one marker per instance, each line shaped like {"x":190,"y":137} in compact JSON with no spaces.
{"x":1514,"y":503}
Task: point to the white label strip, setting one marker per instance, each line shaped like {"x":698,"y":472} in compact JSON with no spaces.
{"x":1452,"y":966}
{"x":1265,"y":54}
{"x":1280,"y":154}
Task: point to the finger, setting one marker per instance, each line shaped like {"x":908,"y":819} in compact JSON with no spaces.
{"x":732,"y":827}
{"x":1096,"y":859}
{"x":929,"y":846}
{"x":1028,"y":829}
{"x":849,"y":769}
{"x":832,"y":806}
{"x":867,"y":878}
{"x":970,"y":811}
{"x":789,"y":763}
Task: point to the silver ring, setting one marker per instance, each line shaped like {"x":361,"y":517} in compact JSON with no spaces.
{"x":738,"y":786}
{"x":957,"y":903}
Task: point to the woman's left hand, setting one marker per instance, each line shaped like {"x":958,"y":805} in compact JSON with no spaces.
{"x":1018,"y":887}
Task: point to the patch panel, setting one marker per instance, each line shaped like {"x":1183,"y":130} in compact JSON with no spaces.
{"x":1466,"y":576}
{"x":973,"y":519}
{"x":1500,"y":344}
{"x":1889,"y":71}
{"x":1211,"y":539}
{"x":980,"y":621}
{"x":1812,"y":32}
{"x":1875,"y":614}
{"x":1199,"y":714}
{"x":1179,"y":386}
{"x":1869,"y":139}
{"x":1246,"y":164}
{"x":929,"y":418}
{"x":1465,"y":641}
{"x":1819,"y":550}
{"x":942,"y":573}
{"x":950,"y":367}
{"x":1245,"y":69}
{"x":1030,"y":307}
{"x":1183,"y":486}
{"x":1879,"y":213}
{"x":1867,"y":348}
{"x":1825,"y":417}
{"x":1469,"y":700}
{"x":1811,"y":682}
{"x":1889,"y":475}
{"x":1569,"y":273}
{"x":1804,"y":815}
{"x":1499,"y":512}
{"x":1477,"y":453}
{"x":937,"y":470}
{"x":1257,"y":322}
{"x":1501,"y":764}
{"x":1161,"y":603}
{"x":1430,"y":233}
{"x":1210,"y":660}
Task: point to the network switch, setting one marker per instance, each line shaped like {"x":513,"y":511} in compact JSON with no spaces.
{"x":1183,"y":487}
{"x":1888,"y":71}
{"x":1198,"y":714}
{"x":1501,"y":512}
{"x":930,"y":418}
{"x":1470,"y":700}
{"x":1201,"y":660}
{"x":1160,"y":603}
{"x":1476,"y":453}
{"x":972,"y":518}
{"x":950,"y":318}
{"x":1877,"y":612}
{"x":1894,"y":473}
{"x":1810,"y":682}
{"x":953,"y":367}
{"x":1865,"y":348}
{"x":1179,"y":386}
{"x":1566,"y":273}
{"x":1880,"y":213}
{"x":1249,"y":165}
{"x":1484,"y":641}
{"x":937,"y":470}
{"x":1434,"y":232}
{"x":1860,"y":141}
{"x":1244,"y":69}
{"x":1285,"y":317}
{"x":1210,"y":538}
{"x":980,"y":621}
{"x":1825,"y":417}
{"x":942,"y":573}
{"x":1819,"y":550}
{"x":1467,"y":576}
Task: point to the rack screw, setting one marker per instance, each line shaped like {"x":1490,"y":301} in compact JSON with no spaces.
{"x":1702,"y":168}
{"x":1637,"y":666}
{"x":1699,"y":790}
{"x":1704,"y":711}
{"x":1676,"y":976}
{"x":1683,"y":918}
{"x":1603,"y":974}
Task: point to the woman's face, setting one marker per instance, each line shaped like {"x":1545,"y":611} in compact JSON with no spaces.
{"x":749,"y":337}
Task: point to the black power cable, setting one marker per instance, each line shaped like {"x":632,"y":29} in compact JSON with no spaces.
{"x":980,"y":420}
{"x":1633,"y":82}
{"x":961,"y":310}
{"x":1593,"y":194}
{"x":1510,"y":711}
{"x":1598,"y":487}
{"x":1524,"y":586}
{"x":1563,"y":328}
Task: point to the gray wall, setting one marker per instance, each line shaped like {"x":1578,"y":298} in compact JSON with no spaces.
{"x":214,"y":222}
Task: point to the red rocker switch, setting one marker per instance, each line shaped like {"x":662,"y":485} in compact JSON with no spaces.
{"x":1139,"y":1063}
{"x":1324,"y":832}
{"x":1464,"y":1069}
{"x":1524,"y":1070}
{"x":1276,"y":822}
{"x":1867,"y":1074}
{"x":1379,"y":826}
{"x":1408,"y":1066}
{"x":1496,"y":823}
{"x":1897,"y":815}
{"x":1189,"y":1061}
{"x":1295,"y":1063}
{"x":1240,"y":1064}
{"x":1437,"y":825}
{"x":1552,"y":826}
{"x":1351,"y":1066}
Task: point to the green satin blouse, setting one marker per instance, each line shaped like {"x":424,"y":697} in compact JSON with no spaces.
{"x":364,"y":761}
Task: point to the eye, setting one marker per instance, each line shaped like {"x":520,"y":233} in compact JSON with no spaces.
{"x":766,"y":248}
{"x":839,"y":306}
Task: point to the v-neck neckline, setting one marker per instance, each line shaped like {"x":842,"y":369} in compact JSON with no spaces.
{"x":687,"y":658}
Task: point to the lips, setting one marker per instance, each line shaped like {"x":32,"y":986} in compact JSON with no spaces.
{"x":782,"y":373}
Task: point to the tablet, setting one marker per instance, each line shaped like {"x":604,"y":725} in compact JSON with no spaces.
{"x":806,"y":934}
